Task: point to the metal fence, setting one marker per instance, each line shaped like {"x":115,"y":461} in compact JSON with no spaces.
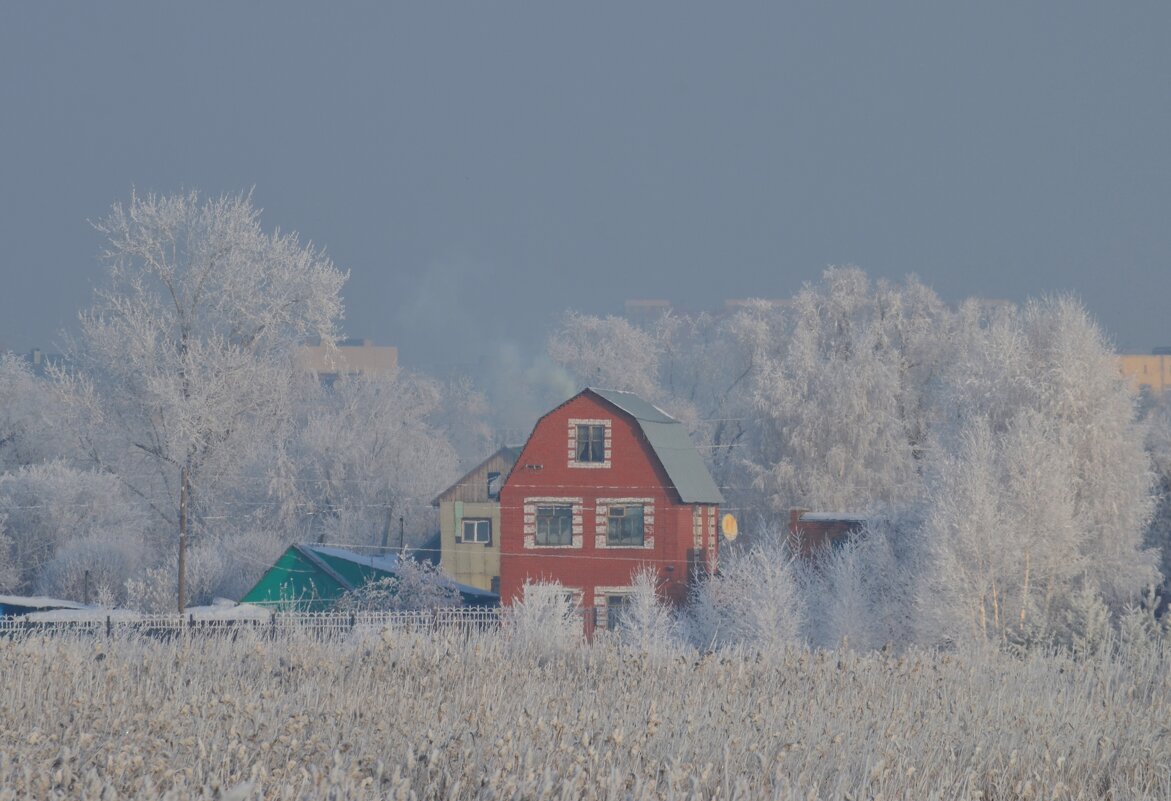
{"x":321,"y":624}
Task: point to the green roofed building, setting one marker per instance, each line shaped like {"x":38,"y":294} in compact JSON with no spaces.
{"x":311,"y":578}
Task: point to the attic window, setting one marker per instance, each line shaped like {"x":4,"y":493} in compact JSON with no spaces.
{"x":589,"y":443}
{"x":494,"y":486}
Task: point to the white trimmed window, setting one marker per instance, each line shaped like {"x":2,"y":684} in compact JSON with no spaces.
{"x":590,"y":443}
{"x":616,"y":609}
{"x":624,"y":526}
{"x":478,"y":530}
{"x":612,"y":604}
{"x":624,"y":523}
{"x":552,"y":523}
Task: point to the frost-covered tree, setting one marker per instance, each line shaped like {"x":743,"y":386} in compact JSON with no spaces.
{"x":188,"y":349}
{"x":1038,"y":489}
{"x":837,"y":393}
{"x":369,"y":454}
{"x":1158,"y":438}
{"x":647,"y":622}
{"x":997,"y":444}
{"x":32,"y":423}
{"x":608,"y":352}
{"x":753,"y":600}
{"x":862,"y":593}
{"x":50,"y":511}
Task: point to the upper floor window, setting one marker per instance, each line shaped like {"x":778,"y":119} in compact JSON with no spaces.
{"x":477,"y":530}
{"x":589,"y":443}
{"x":624,"y":526}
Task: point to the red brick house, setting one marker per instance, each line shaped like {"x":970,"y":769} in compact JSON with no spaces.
{"x":607,"y":483}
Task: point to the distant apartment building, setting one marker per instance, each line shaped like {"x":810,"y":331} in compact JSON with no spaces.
{"x":1147,"y":372}
{"x":348,"y":356}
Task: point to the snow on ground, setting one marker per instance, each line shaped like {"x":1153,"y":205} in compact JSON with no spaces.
{"x":223,"y":609}
{"x":87,"y":614}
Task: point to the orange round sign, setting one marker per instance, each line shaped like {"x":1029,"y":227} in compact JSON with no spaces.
{"x":728,"y":526}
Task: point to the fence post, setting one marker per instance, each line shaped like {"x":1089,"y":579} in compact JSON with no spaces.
{"x":109,"y":627}
{"x":353,"y":620}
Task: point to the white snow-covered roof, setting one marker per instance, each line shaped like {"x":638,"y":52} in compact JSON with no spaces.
{"x":387,"y":562}
{"x":85,"y":614}
{"x":834,"y":517}
{"x":38,"y":602}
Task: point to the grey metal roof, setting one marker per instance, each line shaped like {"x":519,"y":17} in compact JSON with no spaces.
{"x":670,"y":443}
{"x":634,"y":406}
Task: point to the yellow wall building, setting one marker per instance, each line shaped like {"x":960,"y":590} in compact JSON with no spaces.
{"x":1150,"y":372}
{"x":469,"y":523}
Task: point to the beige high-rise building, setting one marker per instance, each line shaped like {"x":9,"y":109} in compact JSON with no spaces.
{"x":348,"y":356}
{"x":1149,"y":372}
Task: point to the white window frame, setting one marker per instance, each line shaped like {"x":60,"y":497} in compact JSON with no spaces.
{"x":487,"y":521}
{"x":602,"y":523}
{"x":602,"y":597}
{"x":607,"y":442}
{"x":530,"y":522}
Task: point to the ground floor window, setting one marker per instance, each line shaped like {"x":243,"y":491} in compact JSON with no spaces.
{"x":617,"y":607}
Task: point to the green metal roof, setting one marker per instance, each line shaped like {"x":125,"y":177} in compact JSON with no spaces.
{"x":669,"y":440}
{"x":301,"y":580}
{"x":313,"y":577}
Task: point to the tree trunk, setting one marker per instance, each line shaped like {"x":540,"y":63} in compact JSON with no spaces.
{"x":182,"y":538}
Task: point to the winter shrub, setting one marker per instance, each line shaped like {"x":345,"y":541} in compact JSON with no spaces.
{"x":242,"y":559}
{"x":418,"y":586}
{"x":154,"y":591}
{"x":753,"y":601}
{"x":647,"y":622}
{"x":544,"y":620}
{"x":110,"y":561}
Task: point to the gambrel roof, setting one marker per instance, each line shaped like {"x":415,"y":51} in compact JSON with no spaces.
{"x":671,"y":445}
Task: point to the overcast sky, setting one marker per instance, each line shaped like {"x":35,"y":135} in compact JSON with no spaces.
{"x":480,"y":167}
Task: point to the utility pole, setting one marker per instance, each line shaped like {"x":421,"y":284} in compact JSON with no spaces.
{"x":182,"y":538}
{"x":386,"y":533}
{"x":400,"y":536}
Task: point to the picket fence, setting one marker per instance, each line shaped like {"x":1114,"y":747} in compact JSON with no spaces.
{"x":321,"y":624}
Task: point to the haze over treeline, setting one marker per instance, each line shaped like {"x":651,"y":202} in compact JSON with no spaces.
{"x":507,"y":163}
{"x":1015,"y":488}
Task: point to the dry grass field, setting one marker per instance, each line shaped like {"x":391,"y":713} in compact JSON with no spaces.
{"x":390,"y":715}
